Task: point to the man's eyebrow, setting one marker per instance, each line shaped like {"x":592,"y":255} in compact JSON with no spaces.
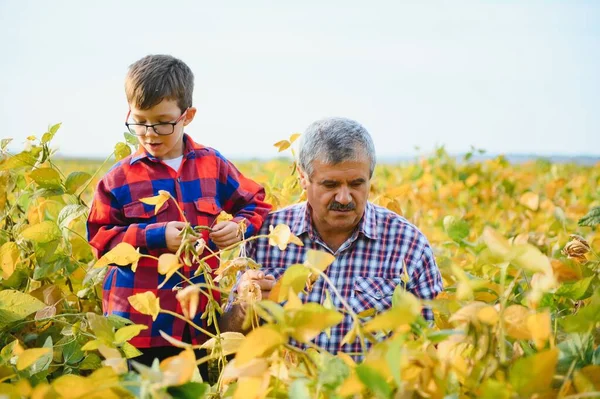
{"x":359,"y":180}
{"x":328,"y":181}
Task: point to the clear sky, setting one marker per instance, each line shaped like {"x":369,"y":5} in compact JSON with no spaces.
{"x":505,"y":76}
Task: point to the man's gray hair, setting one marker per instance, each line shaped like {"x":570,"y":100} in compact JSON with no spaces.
{"x":335,"y":140}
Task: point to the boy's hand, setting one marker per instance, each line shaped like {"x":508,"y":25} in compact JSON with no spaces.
{"x":172,"y":236}
{"x":225,"y":234}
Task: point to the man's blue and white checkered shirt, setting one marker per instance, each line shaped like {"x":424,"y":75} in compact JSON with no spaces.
{"x":367,"y":267}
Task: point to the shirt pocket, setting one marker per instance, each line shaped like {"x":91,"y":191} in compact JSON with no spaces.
{"x":207,"y":210}
{"x":137,"y":211}
{"x":372,"y":293}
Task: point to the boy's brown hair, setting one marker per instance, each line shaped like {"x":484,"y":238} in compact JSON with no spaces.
{"x":157,"y":77}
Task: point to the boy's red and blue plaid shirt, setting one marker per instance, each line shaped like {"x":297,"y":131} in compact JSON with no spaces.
{"x":367,"y":267}
{"x":205,"y":184}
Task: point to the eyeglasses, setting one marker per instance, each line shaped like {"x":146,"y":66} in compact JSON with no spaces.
{"x":162,"y":129}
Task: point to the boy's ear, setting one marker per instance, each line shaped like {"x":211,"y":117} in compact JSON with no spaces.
{"x":189,"y":116}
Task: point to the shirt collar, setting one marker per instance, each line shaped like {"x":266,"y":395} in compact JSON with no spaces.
{"x":303,"y":222}
{"x":189,"y":151}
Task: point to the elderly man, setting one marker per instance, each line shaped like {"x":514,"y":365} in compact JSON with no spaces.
{"x":371,"y":244}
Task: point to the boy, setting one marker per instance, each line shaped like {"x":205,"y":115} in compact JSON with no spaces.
{"x":159,"y":92}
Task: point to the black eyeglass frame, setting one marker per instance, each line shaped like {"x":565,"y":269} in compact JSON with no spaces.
{"x":173,"y":124}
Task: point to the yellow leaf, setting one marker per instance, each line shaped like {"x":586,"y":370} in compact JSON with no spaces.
{"x":488,"y":315}
{"x":281,"y":236}
{"x":158,"y":200}
{"x":293,"y":301}
{"x":497,"y":244}
{"x":352,"y":386}
{"x":122,"y":254}
{"x":146,"y":303}
{"x":124,"y":334}
{"x":530,"y":258}
{"x":468,"y":314}
{"x":175,"y":342}
{"x":515,"y":322}
{"x":259,"y":342}
{"x":168,"y":264}
{"x":294,"y":277}
{"x":30,"y":356}
{"x":250,"y":388}
{"x":310,"y":320}
{"x":319,"y":259}
{"x":530,"y":200}
{"x":472,"y":180}
{"x":534,"y":374}
{"x":539,"y":326}
{"x":294,"y":137}
{"x":254,"y":368}
{"x":91,"y":345}
{"x":9,"y":257}
{"x":223,"y":217}
{"x":587,"y":379}
{"x":230,"y":342}
{"x":178,"y":369}
{"x":392,"y":318}
{"x":282,"y":145}
{"x":72,"y":386}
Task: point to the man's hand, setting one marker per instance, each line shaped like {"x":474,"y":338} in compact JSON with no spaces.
{"x":225,"y":234}
{"x":233,"y":320}
{"x":265,"y":283}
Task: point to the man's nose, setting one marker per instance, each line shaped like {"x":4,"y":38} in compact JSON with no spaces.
{"x":343,"y":196}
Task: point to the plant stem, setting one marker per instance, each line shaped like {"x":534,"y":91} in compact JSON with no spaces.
{"x":197,"y":327}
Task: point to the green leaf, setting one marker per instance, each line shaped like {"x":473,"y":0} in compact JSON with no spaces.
{"x":75,"y":180}
{"x":46,"y":178}
{"x":374,"y":381}
{"x":585,"y":318}
{"x":122,"y":150}
{"x":16,"y":305}
{"x":457,"y":229}
{"x":130,"y":351}
{"x":43,"y":232}
{"x":190,"y":390}
{"x":4,"y":143}
{"x":70,"y":213}
{"x":91,"y":362}
{"x":72,"y":353}
{"x":592,"y":218}
{"x":393,"y":357}
{"x":576,"y":290}
{"x":333,"y":372}
{"x":299,"y":389}
{"x":118,"y":321}
{"x":54,"y":128}
{"x":494,"y":389}
{"x":49,"y":135}
{"x":101,"y":327}
{"x":533,"y":374}
{"x":131,"y":139}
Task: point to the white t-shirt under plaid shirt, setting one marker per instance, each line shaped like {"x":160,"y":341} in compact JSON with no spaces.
{"x":367,"y":267}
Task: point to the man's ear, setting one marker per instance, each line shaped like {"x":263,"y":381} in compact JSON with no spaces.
{"x":189,"y":116}
{"x":304,"y":180}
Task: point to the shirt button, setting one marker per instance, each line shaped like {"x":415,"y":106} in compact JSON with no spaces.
{"x":179,"y":180}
